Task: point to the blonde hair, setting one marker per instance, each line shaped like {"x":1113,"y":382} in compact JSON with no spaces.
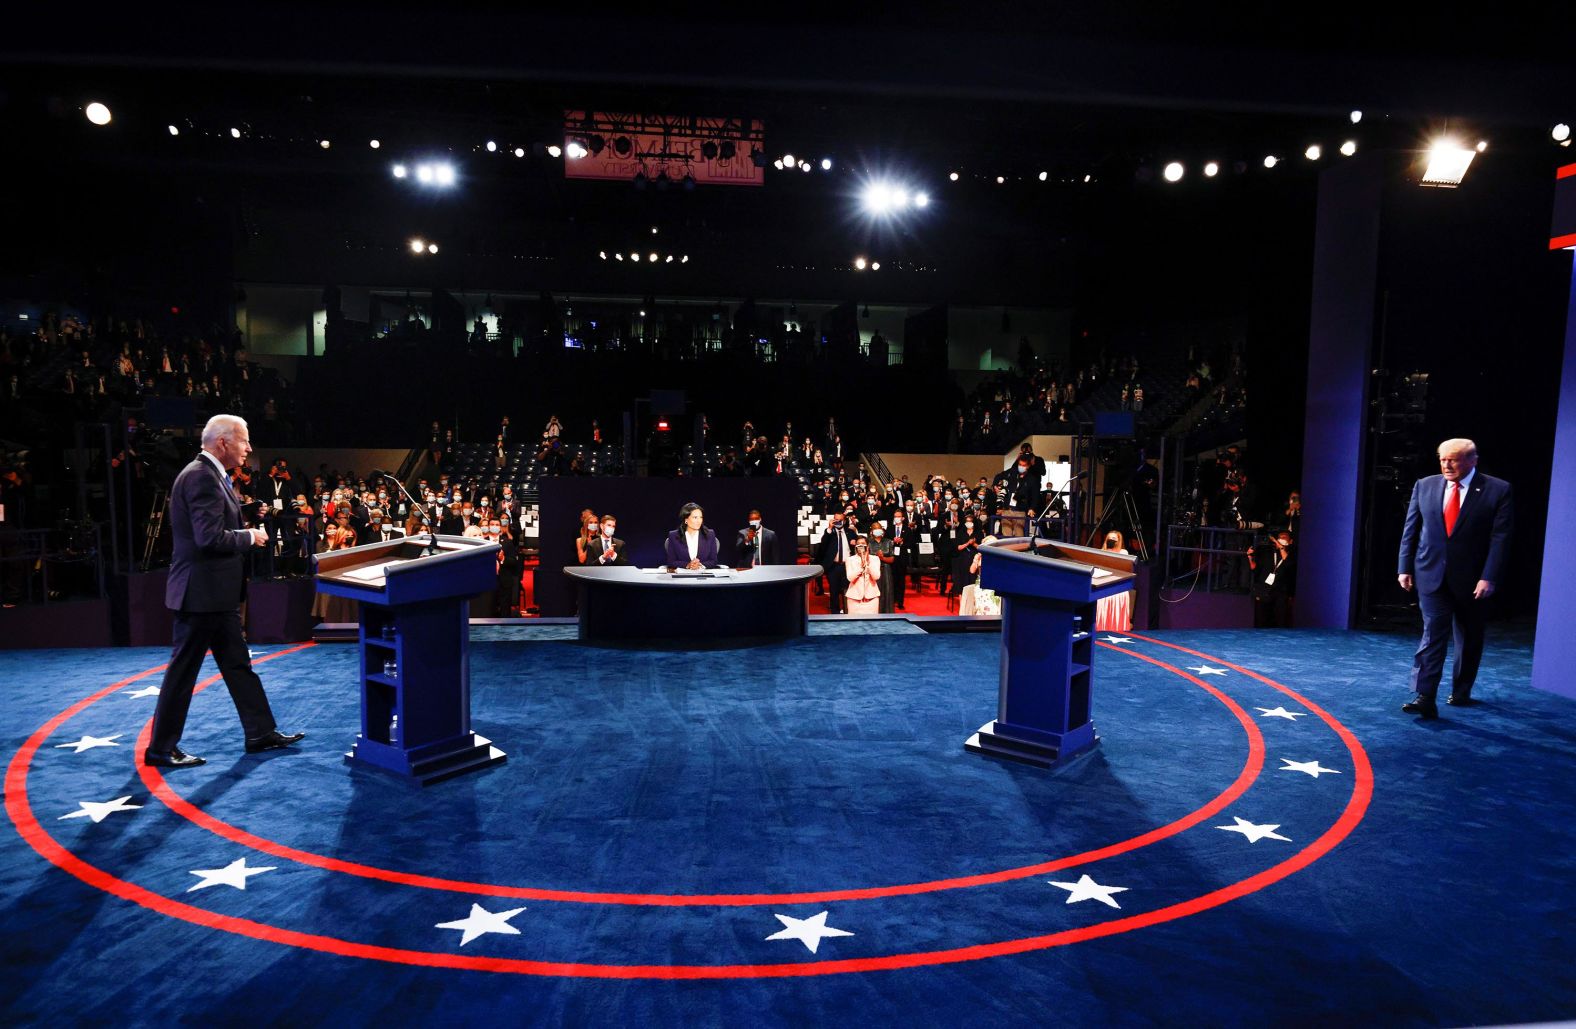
{"x":1462,"y":447}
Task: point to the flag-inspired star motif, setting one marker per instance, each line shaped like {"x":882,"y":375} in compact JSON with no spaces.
{"x":1312,"y":768}
{"x":89,"y":742}
{"x":98,"y":810}
{"x":1206,"y":670}
{"x":146,"y":691}
{"x":1087,"y":889}
{"x":234,"y":874}
{"x":1116,"y":639}
{"x":1281,"y":712}
{"x":1255,"y":833}
{"x":808,"y":931}
{"x":481,"y":921}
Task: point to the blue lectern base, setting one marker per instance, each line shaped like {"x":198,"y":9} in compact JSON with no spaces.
{"x":429,"y":764}
{"x":1032,"y":747}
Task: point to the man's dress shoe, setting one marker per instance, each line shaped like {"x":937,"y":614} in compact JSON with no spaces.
{"x":273,"y":741}
{"x":1422,"y":706}
{"x":176,"y":758}
{"x":1462,"y":701}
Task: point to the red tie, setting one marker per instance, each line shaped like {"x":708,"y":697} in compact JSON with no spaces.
{"x":1452,"y":507}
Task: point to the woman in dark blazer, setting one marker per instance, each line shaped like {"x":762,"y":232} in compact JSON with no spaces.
{"x":692,"y":544}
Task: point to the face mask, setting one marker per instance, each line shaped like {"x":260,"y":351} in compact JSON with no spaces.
{"x":485,"y":502}
{"x":877,"y":534}
{"x":607,"y":530}
{"x":755,"y":523}
{"x":968,"y":525}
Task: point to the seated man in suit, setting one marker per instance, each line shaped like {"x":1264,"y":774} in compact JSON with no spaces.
{"x":1454,"y":548}
{"x":692,"y":545}
{"x":606,"y":548}
{"x":757,"y":545}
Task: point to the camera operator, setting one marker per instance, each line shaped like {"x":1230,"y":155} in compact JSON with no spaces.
{"x":1274,"y":567}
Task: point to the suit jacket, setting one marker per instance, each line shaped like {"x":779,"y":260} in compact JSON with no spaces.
{"x":1478,"y":549}
{"x":767,"y":539}
{"x":595,"y":548}
{"x":208,"y":563}
{"x":676,"y":549}
{"x":826,"y":555}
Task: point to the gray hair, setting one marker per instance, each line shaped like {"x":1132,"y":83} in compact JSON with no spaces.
{"x":1464,"y":447}
{"x":221,"y":426}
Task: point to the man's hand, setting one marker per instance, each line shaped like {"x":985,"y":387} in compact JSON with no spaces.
{"x":260,"y":539}
{"x":1406,"y":581}
{"x":1484,"y":590}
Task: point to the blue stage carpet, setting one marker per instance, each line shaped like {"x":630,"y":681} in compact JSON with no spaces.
{"x":792,"y":834}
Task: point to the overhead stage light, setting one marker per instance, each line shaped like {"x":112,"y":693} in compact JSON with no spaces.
{"x":1314,"y":152}
{"x":788,"y":161}
{"x":1356,"y":117}
{"x":432,"y":248}
{"x":575,"y":150}
{"x":634,"y":257}
{"x":1349,"y":147}
{"x":953,"y":176}
{"x":1482,"y":145}
{"x":804,"y":166}
{"x":684,"y":259}
{"x":859,"y":264}
{"x":1000,"y":179}
{"x":418,"y":246}
{"x":492,"y":146}
{"x":400,"y":171}
{"x":652,"y":258}
{"x":602,"y":254}
{"x":235,"y":133}
{"x":1044,"y":176}
{"x":374,"y":144}
{"x":921,"y":199}
{"x":519,"y":151}
{"x":619,"y":256}
{"x":97,"y":113}
{"x":1448,"y":162}
{"x":875,"y":266}
{"x":554,"y":150}
{"x":1271,"y":161}
{"x":826,"y":164}
{"x":324,"y":143}
{"x":1173,"y":172}
{"x":778,"y":164}
{"x":443,"y":174}
{"x":1211,"y":170}
{"x":174,"y":131}
{"x":1560,"y":132}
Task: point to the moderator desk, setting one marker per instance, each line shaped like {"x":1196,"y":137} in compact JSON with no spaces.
{"x":624,"y":603}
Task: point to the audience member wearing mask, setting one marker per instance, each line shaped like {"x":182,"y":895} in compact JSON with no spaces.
{"x":864,"y":580}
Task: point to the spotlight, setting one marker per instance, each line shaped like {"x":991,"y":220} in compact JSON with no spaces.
{"x":652,"y":258}
{"x":1448,"y":162}
{"x":788,"y":160}
{"x":425,"y":174}
{"x":1314,"y":152}
{"x":602,"y":254}
{"x":432,"y":248}
{"x":575,"y":150}
{"x":619,"y":256}
{"x":1560,"y":132}
{"x":400,"y":171}
{"x":826,"y":164}
{"x":1173,"y":172}
{"x":492,"y":146}
{"x":235,"y":133}
{"x":875,"y":266}
{"x":804,"y":166}
{"x":323,"y":143}
{"x":443,"y":174}
{"x":374,"y":144}
{"x":642,"y":314}
{"x":859,"y":264}
{"x":1271,"y":161}
{"x":653,"y":230}
{"x":1044,"y":176}
{"x":921,"y":199}
{"x":1349,"y":147}
{"x":1088,"y":178}
{"x":519,"y":151}
{"x":877,"y":199}
{"x":778,"y":164}
{"x":1356,"y":117}
{"x":952,"y":176}
{"x":97,"y":113}
{"x":418,"y":246}
{"x":1482,"y":145}
{"x":634,"y":257}
{"x":174,"y":131}
{"x":684,"y":259}
{"x":668,"y":260}
{"x":899,"y":198}
{"x":554,"y":150}
{"x":1211,"y":170}
{"x":1000,"y":179}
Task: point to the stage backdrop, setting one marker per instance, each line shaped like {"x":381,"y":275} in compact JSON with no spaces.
{"x":647,"y":510}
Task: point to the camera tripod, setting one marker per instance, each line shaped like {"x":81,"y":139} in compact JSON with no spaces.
{"x":1121,"y":508}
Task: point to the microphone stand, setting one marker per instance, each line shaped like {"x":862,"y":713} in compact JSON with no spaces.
{"x":426,"y":522}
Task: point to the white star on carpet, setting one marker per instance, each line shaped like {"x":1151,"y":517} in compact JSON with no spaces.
{"x":1087,"y":889}
{"x":481,"y":921}
{"x":1116,"y":639}
{"x":808,"y":931}
{"x":1281,"y":712}
{"x":146,"y":691}
{"x":1312,"y":768}
{"x":100,"y":810}
{"x":89,"y":742}
{"x":1255,"y":833}
{"x":234,"y":874}
{"x":1206,"y":670}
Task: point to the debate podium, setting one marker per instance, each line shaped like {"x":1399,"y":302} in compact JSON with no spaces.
{"x":415,"y":713}
{"x":1048,"y":598}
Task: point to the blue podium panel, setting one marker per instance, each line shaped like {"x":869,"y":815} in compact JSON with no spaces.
{"x":415,"y":652}
{"x":1044,"y":706}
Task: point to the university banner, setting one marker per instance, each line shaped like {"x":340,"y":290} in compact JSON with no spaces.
{"x":715,"y":151}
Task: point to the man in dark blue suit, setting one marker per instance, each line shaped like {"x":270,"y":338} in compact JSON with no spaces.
{"x":1453,"y":550}
{"x":206,"y":584}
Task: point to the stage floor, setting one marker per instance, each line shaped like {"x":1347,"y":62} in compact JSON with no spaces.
{"x":792,"y":833}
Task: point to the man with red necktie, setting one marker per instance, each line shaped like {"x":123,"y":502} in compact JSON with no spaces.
{"x":1453,"y":550}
